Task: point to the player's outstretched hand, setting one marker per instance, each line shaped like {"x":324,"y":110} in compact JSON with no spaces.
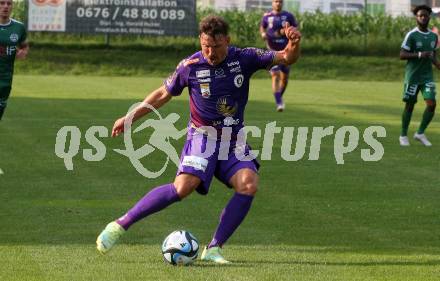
{"x":293,"y":34}
{"x":283,"y":30}
{"x":118,"y":127}
{"x":21,"y":53}
{"x":427,"y":54}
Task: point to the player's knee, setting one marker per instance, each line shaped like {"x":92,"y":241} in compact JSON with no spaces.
{"x":431,"y":105}
{"x":248,"y":184}
{"x":185,"y":184}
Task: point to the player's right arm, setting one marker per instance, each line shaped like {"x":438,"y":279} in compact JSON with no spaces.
{"x":173,"y":86}
{"x":157,"y":99}
{"x":407,"y":49}
{"x":291,"y":52}
{"x":405,"y":55}
{"x":263,"y":27}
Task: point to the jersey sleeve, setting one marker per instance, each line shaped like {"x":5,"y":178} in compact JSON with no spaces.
{"x":264,"y":21}
{"x":407,"y":43}
{"x":292,"y":20}
{"x":178,"y":80}
{"x":258,"y":58}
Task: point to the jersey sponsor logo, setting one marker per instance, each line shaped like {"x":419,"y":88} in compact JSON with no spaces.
{"x":219,"y":73}
{"x":234,"y":63}
{"x":261,"y":52}
{"x":203,"y":73}
{"x":238,"y":80}
{"x":13,"y":37}
{"x":48,"y":2}
{"x":7,"y":50}
{"x":419,"y":44}
{"x":229,"y":121}
{"x":270,"y":22}
{"x":196,"y":162}
{"x":204,"y":90}
{"x":205,"y":80}
{"x":433,"y":43}
{"x":226,"y":106}
{"x":235,"y":69}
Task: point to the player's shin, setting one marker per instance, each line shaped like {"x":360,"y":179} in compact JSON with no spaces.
{"x":428,"y":114}
{"x":232,"y":216}
{"x":154,"y":201}
{"x":406,"y":119}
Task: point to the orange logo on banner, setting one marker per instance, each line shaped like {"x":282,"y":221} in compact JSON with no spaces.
{"x":48,"y":2}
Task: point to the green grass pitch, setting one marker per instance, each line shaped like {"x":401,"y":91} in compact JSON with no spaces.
{"x":311,"y":220}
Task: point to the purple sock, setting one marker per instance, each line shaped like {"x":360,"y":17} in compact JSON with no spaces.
{"x":154,"y":201}
{"x":232,"y":216}
{"x":278,"y":98}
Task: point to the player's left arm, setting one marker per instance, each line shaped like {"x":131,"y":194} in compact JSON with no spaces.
{"x":291,"y":52}
{"x":23,"y":50}
{"x":263,"y":28}
{"x":435,"y":61}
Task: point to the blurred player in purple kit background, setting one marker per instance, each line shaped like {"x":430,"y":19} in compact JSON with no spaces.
{"x":273,"y":30}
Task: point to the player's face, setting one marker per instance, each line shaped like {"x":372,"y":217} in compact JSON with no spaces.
{"x":422,"y":18}
{"x":5,"y":9}
{"x":277,"y":5}
{"x":215,"y":49}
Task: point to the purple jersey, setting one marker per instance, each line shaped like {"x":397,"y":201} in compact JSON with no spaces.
{"x":218,"y":94}
{"x":272,"y":23}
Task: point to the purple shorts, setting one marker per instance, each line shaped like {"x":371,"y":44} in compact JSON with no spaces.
{"x":205,"y":158}
{"x":280,"y":67}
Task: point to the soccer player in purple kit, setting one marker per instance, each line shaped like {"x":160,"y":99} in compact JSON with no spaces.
{"x":217,"y":78}
{"x":272,"y":30}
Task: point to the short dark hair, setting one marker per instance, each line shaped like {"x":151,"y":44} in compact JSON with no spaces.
{"x":422,"y":7}
{"x":213,"y":25}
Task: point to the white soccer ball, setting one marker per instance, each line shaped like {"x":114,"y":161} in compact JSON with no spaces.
{"x":180,"y":248}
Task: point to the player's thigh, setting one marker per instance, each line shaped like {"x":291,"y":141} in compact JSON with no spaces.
{"x":410,"y":92}
{"x":230,"y":171}
{"x":196,"y":162}
{"x":428,"y":91}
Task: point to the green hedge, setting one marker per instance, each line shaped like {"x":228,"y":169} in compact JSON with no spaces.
{"x":322,"y":33}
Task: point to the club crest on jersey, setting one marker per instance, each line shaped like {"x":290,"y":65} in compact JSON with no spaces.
{"x":204,"y":90}
{"x":238,"y":80}
{"x":13,"y":37}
